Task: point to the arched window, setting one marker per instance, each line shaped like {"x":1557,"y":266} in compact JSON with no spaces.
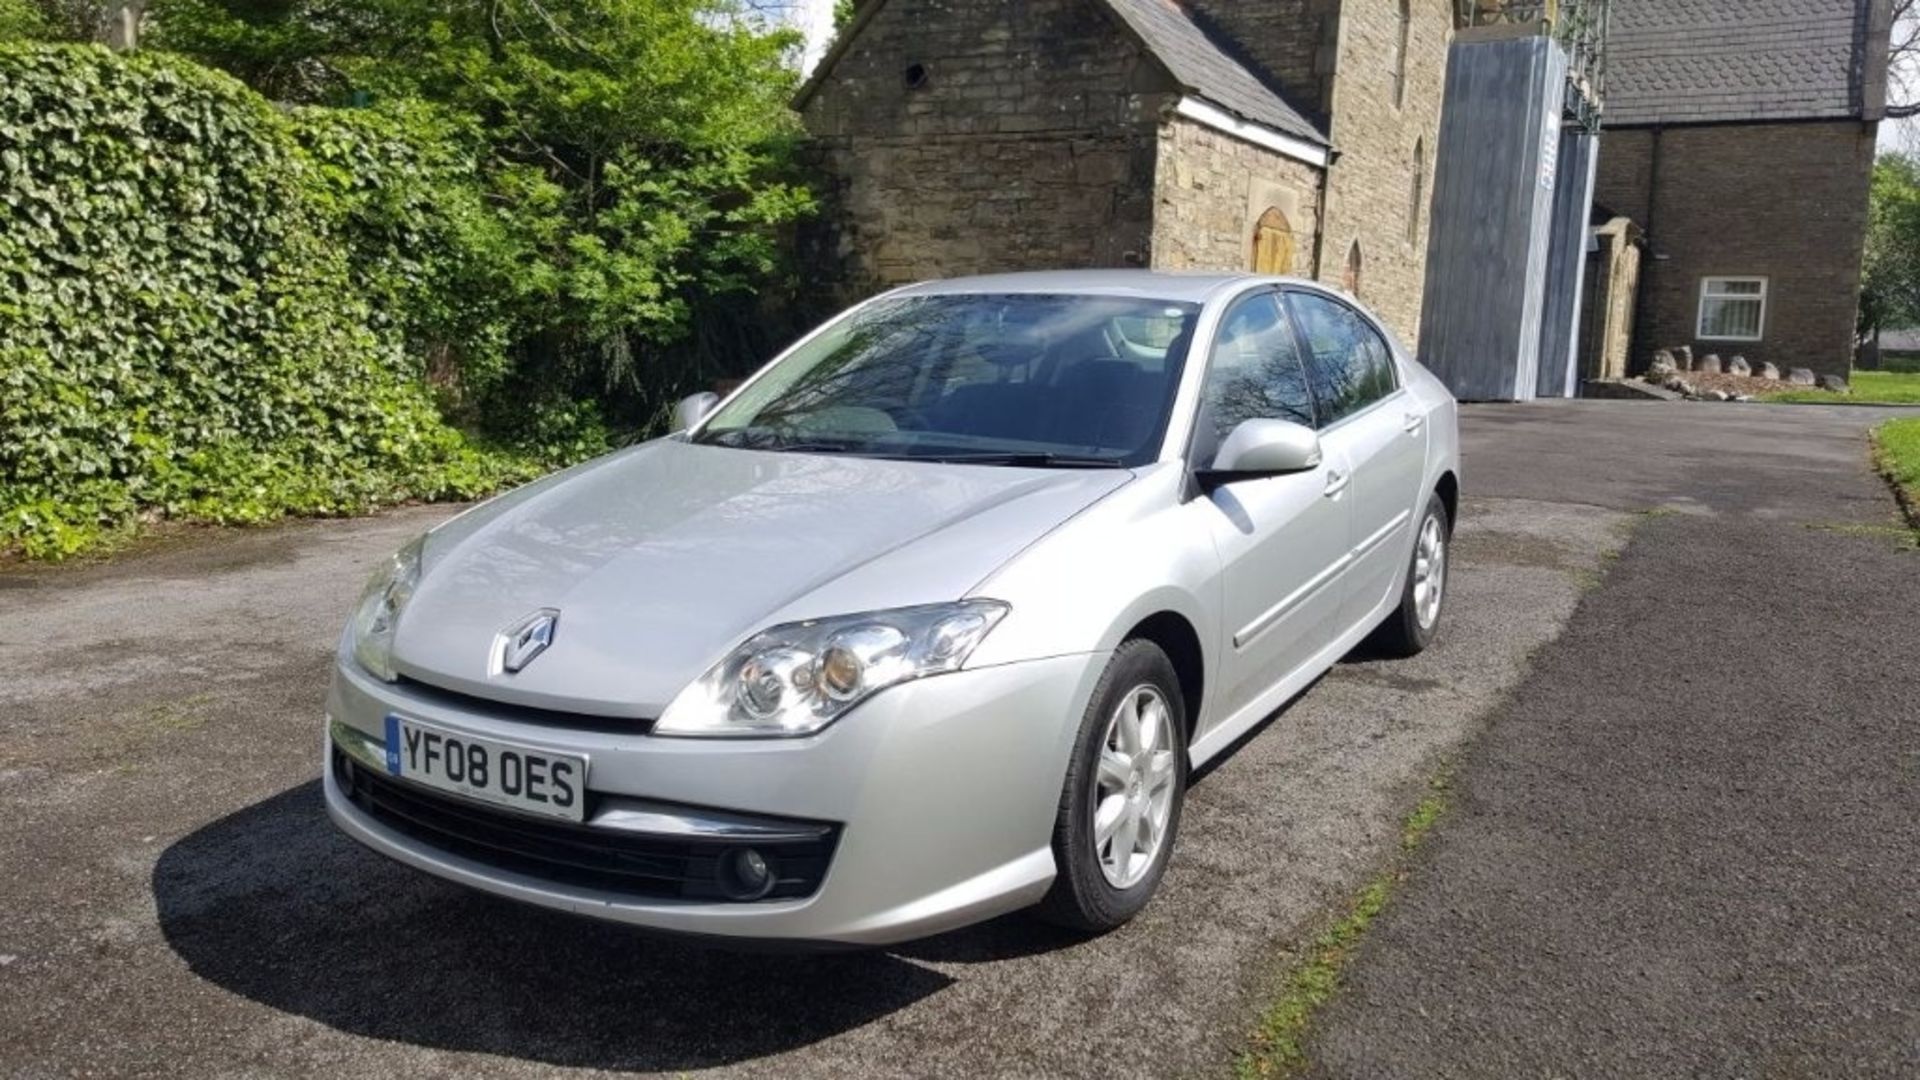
{"x":1272,"y":243}
{"x":1352,"y":278}
{"x":1417,"y":206}
{"x":1401,"y":34}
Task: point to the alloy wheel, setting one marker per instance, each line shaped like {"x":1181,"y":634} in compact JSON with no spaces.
{"x":1429,"y":571}
{"x":1133,"y":793}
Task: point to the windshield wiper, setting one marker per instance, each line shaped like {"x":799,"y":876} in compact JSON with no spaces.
{"x":736,"y":441}
{"x":811,"y":448}
{"x":1020,"y":460}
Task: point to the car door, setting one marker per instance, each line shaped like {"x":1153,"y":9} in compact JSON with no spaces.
{"x":1281,"y":539}
{"x":1378,"y":430}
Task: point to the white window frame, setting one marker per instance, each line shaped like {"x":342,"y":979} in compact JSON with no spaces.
{"x":1708,"y":293}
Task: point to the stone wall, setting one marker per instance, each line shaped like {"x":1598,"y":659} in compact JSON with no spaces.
{"x":972,"y":136}
{"x":1787,"y":202}
{"x":1370,"y":195}
{"x":1607,"y":308}
{"x":1210,"y":190}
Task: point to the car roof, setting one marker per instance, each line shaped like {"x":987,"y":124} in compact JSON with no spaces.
{"x":1196,"y":287}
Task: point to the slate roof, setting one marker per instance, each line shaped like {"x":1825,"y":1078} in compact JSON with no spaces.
{"x":1205,"y":68}
{"x":1203,"y":65}
{"x":1714,"y":61}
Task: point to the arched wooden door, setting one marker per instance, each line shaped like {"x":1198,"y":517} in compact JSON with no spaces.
{"x":1272,"y":243}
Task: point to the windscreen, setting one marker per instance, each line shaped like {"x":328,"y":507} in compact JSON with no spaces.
{"x":1018,"y":379}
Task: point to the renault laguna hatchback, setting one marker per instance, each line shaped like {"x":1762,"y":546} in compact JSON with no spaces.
{"x":926,"y":622}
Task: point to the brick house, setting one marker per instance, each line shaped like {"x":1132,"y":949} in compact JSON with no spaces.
{"x":1739,"y":135}
{"x":1289,"y":136}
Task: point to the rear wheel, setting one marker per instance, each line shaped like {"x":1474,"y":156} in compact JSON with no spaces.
{"x":1125,"y":785}
{"x":1416,"y":621}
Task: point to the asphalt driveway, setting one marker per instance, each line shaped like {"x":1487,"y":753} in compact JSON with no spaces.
{"x":1688,"y":845}
{"x":175,"y":901}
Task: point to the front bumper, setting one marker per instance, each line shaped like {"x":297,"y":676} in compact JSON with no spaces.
{"x":942,"y":791}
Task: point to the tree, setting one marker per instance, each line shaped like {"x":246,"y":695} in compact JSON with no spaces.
{"x":635,"y":154}
{"x":1890,"y":272}
{"x":1903,"y":61}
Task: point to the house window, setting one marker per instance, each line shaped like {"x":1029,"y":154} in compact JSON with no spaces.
{"x":1732,"y":308}
{"x":1351,"y":280}
{"x":1272,"y":243}
{"x":1417,"y":206}
{"x":1401,"y":33}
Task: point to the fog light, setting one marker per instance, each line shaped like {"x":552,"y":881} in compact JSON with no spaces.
{"x":343,"y":771}
{"x":745,"y":874}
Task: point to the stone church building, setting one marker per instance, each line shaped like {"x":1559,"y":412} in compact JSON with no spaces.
{"x":1284,"y":136}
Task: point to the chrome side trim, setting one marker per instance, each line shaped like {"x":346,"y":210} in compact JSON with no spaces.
{"x":1293,"y":599}
{"x":665,"y":819}
{"x":1274,"y":614}
{"x":615,"y":813}
{"x":1381,"y":534}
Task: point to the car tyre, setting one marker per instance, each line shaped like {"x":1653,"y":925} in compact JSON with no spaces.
{"x":1125,"y":785}
{"x":1416,"y":621}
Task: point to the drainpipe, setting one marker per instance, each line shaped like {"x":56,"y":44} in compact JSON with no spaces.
{"x":1653,"y":182}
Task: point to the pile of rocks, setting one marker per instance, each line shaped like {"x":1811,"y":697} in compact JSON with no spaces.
{"x":1708,"y":378}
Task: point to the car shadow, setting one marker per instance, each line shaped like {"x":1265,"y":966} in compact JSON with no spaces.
{"x":1009,"y":937}
{"x":275,"y":904}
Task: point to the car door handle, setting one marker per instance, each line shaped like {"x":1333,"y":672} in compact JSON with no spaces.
{"x":1411,"y":425}
{"x":1336,"y":483}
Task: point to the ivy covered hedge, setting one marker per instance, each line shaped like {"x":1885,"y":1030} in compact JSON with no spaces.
{"x":212,"y":308}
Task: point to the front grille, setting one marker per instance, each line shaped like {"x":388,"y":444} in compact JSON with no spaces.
{"x":526,"y":714}
{"x":635,"y":864}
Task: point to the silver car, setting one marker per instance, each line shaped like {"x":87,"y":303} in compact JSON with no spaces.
{"x":926,"y":622}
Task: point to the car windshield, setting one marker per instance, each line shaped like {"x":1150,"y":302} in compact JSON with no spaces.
{"x":1018,"y":379}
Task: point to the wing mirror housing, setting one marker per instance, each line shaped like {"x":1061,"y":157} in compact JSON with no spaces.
{"x":1257,"y":448}
{"x":692,"y":409}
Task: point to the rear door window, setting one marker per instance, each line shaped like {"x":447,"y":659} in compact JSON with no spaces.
{"x":1348,"y":363}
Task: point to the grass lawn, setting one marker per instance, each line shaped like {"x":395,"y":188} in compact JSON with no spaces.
{"x":1896,"y":446}
{"x":1869,"y":388}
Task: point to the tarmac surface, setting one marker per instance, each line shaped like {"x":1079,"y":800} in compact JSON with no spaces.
{"x":1690,"y":843}
{"x":175,"y":900}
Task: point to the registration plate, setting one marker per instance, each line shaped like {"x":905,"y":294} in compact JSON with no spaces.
{"x":523,"y":778}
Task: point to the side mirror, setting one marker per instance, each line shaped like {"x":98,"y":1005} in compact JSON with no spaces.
{"x":692,"y":409}
{"x":1263,"y":448}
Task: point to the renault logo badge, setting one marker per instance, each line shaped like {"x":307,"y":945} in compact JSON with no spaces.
{"x":517,"y":646}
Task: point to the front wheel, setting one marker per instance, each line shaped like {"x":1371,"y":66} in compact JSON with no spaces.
{"x":1414,"y":624}
{"x":1125,"y":785}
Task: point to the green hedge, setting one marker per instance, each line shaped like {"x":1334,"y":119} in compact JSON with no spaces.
{"x":200,"y":316}
{"x":22,"y":19}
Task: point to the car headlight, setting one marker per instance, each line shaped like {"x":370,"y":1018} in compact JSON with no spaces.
{"x":378,"y":612}
{"x":798,"y":678}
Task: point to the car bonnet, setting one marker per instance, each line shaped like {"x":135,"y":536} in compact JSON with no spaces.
{"x":660,"y":559}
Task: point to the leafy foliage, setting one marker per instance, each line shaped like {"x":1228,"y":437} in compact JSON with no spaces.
{"x":23,"y":19}
{"x":1897,"y":450}
{"x":1890,"y":273}
{"x":621,"y":202}
{"x":437,"y":264}
{"x":548,"y":219}
{"x":180,"y":327}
